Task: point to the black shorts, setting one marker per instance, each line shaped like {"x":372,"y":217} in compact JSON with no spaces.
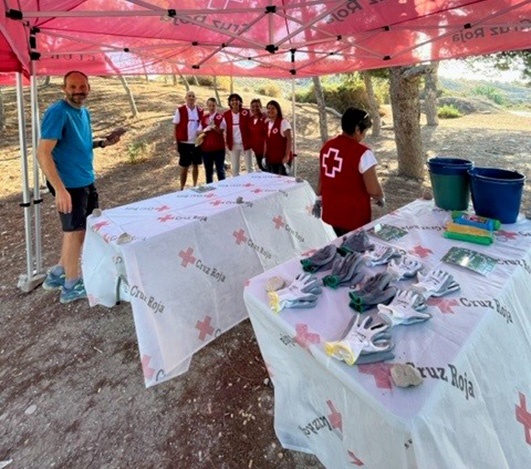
{"x":84,"y":201}
{"x":189,"y":154}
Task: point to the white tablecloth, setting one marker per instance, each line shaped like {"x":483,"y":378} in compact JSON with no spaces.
{"x":187,"y":256}
{"x":473,"y":409}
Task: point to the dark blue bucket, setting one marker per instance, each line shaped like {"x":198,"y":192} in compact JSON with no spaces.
{"x":450,"y":182}
{"x":496,"y":193}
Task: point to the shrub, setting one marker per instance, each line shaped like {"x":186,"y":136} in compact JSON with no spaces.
{"x":138,"y":151}
{"x":205,"y":81}
{"x":490,"y":93}
{"x":271,"y":89}
{"x":448,"y":112}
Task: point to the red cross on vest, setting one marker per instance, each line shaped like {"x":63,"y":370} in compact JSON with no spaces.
{"x":332,"y":162}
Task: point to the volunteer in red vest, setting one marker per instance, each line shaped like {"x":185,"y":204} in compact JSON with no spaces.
{"x":257,"y":131}
{"x":186,"y":122}
{"x":238,"y":143}
{"x":210,"y":138}
{"x":278,"y":141}
{"x":347,"y":176}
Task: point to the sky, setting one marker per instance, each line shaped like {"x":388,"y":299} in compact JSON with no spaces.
{"x":457,"y":69}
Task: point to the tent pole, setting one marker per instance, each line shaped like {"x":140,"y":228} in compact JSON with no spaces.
{"x":26,"y":202}
{"x":294,"y":120}
{"x":35,"y":135}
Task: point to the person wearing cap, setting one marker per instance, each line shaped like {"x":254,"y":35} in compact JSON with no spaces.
{"x":348,"y":180}
{"x":186,"y":122}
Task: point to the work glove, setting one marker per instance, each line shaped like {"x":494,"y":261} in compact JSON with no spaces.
{"x":376,"y":290}
{"x":405,"y":309}
{"x":301,"y":293}
{"x":364,"y":336}
{"x":381,"y":255}
{"x":317,"y":208}
{"x":435,"y":283}
{"x":345,"y":271}
{"x":356,"y":242}
{"x":322,"y":260}
{"x":403,"y":267}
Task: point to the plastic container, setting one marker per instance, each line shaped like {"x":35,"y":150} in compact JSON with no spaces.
{"x":496,"y":193}
{"x":450,"y":182}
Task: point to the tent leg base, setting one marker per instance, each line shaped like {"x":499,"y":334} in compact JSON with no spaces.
{"x":28,"y":284}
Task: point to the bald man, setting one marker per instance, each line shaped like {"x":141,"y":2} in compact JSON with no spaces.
{"x":65,"y":154}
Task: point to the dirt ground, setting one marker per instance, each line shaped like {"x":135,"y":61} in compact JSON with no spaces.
{"x":72,"y":392}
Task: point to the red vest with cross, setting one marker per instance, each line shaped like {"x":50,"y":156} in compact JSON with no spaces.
{"x":213,"y":140}
{"x":276,"y":144}
{"x":244,"y":128}
{"x":346,"y":202}
{"x":181,"y":129}
{"x":257,"y":134}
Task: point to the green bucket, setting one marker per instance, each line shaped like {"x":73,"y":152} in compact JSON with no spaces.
{"x":450,"y":182}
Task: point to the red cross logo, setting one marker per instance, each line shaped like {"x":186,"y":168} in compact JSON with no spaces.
{"x":98,"y":226}
{"x":240,"y":236}
{"x":257,"y":190}
{"x":420,"y":251}
{"x":305,"y":338}
{"x":209,"y":195}
{"x":165,"y":218}
{"x":355,"y":460}
{"x":216,"y":202}
{"x":524,"y":417}
{"x":506,"y":234}
{"x":148,"y":371}
{"x":332,"y":162}
{"x":204,"y":328}
{"x":381,"y":373}
{"x":187,"y":257}
{"x":278,"y":222}
{"x":334,"y":417}
{"x":445,"y":305}
{"x":162,"y":208}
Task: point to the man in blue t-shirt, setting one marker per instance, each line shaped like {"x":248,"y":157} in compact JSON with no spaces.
{"x":65,"y":155}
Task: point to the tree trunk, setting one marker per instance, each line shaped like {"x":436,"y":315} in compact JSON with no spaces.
{"x":321,"y":106}
{"x":373,"y":104}
{"x":174,"y":79}
{"x":130,"y":96}
{"x":185,"y":82}
{"x":406,"y":118}
{"x":2,"y":111}
{"x":430,"y":89}
{"x":218,"y":99}
{"x":196,"y":81}
{"x":231,"y":85}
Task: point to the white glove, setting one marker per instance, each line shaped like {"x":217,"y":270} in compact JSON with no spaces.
{"x":364,"y":337}
{"x":404,"y":267}
{"x":301,"y":293}
{"x":380,"y":255}
{"x":404,"y":309}
{"x":435,"y":283}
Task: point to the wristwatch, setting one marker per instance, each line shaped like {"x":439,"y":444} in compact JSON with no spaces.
{"x":101,"y":143}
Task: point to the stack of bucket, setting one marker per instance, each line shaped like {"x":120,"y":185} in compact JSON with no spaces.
{"x":496,"y":193}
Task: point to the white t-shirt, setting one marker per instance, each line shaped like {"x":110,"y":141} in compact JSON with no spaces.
{"x":284,"y":125}
{"x":367,"y":161}
{"x":193,"y":122}
{"x":236,"y":132}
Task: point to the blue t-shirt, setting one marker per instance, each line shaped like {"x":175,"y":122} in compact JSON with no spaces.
{"x":73,"y":154}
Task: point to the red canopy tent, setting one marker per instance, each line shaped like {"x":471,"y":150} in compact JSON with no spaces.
{"x":264,"y":38}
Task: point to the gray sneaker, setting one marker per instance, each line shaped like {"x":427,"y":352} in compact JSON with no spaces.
{"x":77,"y":292}
{"x":53,"y":281}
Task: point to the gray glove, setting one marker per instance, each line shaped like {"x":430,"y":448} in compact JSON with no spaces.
{"x":321,"y":260}
{"x":317,"y":208}
{"x":404,"y":267}
{"x":356,"y":242}
{"x":435,"y":283}
{"x":376,"y":290}
{"x":381,"y":255}
{"x":345,"y":271}
{"x":301,"y":293}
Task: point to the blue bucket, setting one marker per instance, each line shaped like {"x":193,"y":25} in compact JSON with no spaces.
{"x":450,"y":182}
{"x":496,"y":193}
